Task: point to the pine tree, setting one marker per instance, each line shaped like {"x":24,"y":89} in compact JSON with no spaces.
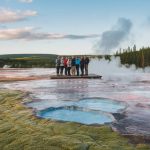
{"x":134,"y":47}
{"x":142,"y":59}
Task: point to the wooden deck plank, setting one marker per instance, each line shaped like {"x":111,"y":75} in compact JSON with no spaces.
{"x":76,"y":77}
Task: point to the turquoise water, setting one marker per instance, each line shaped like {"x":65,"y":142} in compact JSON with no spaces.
{"x":79,"y":116}
{"x":86,"y":111}
{"x":106,"y":105}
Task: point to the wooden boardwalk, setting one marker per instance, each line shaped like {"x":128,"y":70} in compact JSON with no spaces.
{"x":90,"y":76}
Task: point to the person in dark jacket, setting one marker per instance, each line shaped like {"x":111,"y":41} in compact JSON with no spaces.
{"x":69,"y":66}
{"x":86,"y":61}
{"x":57,"y":65}
{"x":82,"y":64}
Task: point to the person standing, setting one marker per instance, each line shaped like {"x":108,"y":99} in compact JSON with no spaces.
{"x":82,"y":64}
{"x":73,"y":66}
{"x":57,"y":65}
{"x":86,"y":60}
{"x":61,"y":65}
{"x":69,"y":66}
{"x":77,"y":65}
{"x":65,"y":65}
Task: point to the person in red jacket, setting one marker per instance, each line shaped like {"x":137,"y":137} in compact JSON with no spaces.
{"x":65,"y":65}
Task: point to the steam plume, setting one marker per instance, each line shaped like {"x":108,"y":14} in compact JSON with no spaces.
{"x":113,"y":38}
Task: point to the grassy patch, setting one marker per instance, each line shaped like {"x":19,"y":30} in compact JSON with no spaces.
{"x":19,"y":129}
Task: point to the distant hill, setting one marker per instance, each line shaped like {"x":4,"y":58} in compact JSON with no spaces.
{"x":10,"y":56}
{"x":28,"y":60}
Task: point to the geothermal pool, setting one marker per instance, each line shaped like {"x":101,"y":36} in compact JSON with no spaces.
{"x":121,"y":98}
{"x":86,"y":111}
{"x":75,"y":115}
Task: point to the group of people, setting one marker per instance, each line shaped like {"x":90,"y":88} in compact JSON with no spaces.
{"x":72,"y":65}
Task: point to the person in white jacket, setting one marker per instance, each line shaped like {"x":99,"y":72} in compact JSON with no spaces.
{"x":58,"y":65}
{"x":61,"y":65}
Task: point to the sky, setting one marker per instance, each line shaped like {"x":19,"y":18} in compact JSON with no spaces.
{"x":73,"y":26}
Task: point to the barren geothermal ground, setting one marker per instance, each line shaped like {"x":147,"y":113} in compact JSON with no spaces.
{"x":80,"y":114}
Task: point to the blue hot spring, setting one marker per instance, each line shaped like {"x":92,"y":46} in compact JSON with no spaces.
{"x":86,"y":111}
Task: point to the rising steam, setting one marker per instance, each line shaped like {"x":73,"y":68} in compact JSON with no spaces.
{"x":114,"y":37}
{"x":114,"y":70}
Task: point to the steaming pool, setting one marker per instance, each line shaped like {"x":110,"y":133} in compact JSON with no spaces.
{"x":120,"y":100}
{"x":86,"y":111}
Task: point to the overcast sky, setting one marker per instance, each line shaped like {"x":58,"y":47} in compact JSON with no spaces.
{"x":73,"y":26}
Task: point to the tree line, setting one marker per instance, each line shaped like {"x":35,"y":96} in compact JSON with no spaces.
{"x":140,"y":58}
{"x":28,"y":60}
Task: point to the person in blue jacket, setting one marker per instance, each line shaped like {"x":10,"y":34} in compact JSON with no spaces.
{"x":77,"y":65}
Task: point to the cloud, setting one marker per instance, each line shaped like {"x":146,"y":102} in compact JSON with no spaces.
{"x":75,"y":37}
{"x":29,"y":33}
{"x":7,"y":16}
{"x":113,"y":38}
{"x":26,"y":1}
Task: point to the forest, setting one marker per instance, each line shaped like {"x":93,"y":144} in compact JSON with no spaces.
{"x":140,"y":58}
{"x":28,"y":60}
